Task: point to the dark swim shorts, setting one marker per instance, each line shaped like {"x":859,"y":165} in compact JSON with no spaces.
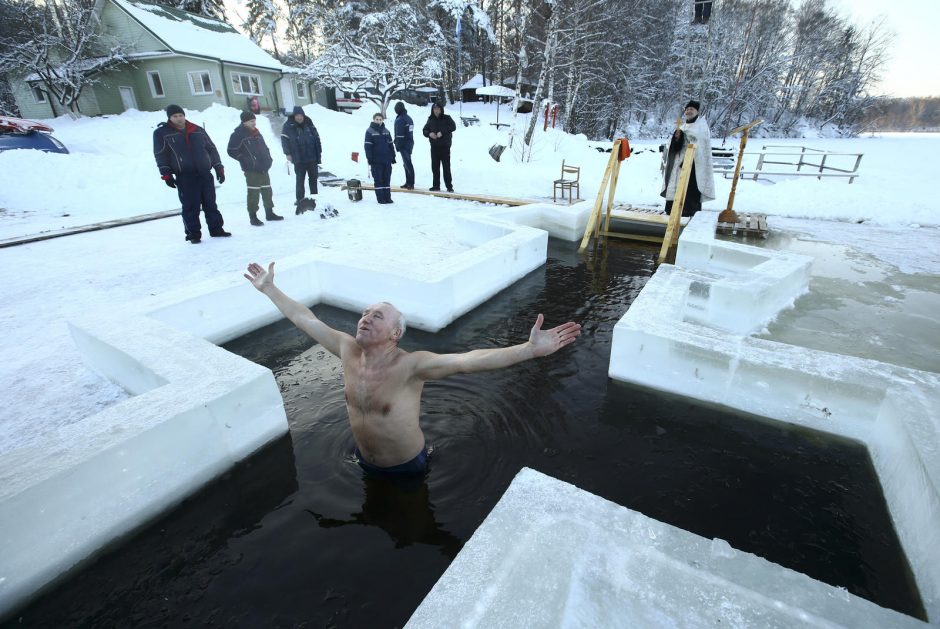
{"x":417,"y":465}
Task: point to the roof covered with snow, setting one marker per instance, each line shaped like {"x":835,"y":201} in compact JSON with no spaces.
{"x":472,"y":84}
{"x":187,"y":33}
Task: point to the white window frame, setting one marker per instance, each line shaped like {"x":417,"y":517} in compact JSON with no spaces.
{"x":301,"y":89}
{"x":238,"y":79}
{"x":150,"y":83}
{"x":39,"y":96}
{"x":192,"y":85}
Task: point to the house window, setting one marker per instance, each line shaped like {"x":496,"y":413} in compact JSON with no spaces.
{"x":249,"y":84}
{"x":200,"y":83}
{"x":38,"y":94}
{"x":156,"y":85}
{"x":301,"y":89}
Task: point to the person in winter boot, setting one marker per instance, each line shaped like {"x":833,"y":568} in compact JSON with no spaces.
{"x":380,"y":152}
{"x":383,"y":382}
{"x":301,"y":144}
{"x":185,"y":156}
{"x":701,"y":182}
{"x":405,"y":143}
{"x":247,"y":146}
{"x":439,"y":130}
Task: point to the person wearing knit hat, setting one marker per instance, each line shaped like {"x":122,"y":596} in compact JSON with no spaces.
{"x":301,"y":145}
{"x":186,"y":156}
{"x":702,"y":180}
{"x":247,"y":146}
{"x":405,"y":143}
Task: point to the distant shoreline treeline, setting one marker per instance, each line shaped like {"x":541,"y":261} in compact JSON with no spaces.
{"x":904,"y":114}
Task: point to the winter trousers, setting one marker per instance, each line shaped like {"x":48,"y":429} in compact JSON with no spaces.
{"x":693,"y":197}
{"x":440,"y":156}
{"x":198,"y":192}
{"x":409,"y":168}
{"x":259,"y":185}
{"x":307,"y":170}
{"x":382,"y":176}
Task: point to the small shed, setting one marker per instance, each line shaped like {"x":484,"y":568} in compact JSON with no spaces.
{"x":468,"y":91}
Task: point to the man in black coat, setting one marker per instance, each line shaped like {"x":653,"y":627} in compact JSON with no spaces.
{"x":405,"y":143}
{"x":380,"y":151}
{"x":439,"y":130}
{"x":185,"y":156}
{"x":248,"y":147}
{"x":301,"y":144}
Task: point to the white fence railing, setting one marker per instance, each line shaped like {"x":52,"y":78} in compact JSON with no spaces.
{"x":795,"y":161}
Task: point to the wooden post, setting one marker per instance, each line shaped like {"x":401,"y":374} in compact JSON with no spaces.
{"x":613,"y":187}
{"x":745,"y":129}
{"x":672,"y":227}
{"x":595,"y":218}
{"x":737,"y":170}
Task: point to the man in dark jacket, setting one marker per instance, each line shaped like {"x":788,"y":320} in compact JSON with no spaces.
{"x":380,"y":151}
{"x":438,"y":130}
{"x":248,"y":147}
{"x":185,"y":155}
{"x":405,"y":143}
{"x":301,"y":144}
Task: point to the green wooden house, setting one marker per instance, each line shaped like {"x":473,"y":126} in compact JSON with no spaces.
{"x":176,"y":57}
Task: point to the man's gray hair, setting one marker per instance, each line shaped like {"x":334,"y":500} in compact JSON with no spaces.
{"x":402,"y":324}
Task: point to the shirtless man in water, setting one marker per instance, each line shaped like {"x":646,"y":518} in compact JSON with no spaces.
{"x":383,"y":383}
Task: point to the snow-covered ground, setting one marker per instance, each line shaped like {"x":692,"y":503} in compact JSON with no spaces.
{"x":110,"y":174}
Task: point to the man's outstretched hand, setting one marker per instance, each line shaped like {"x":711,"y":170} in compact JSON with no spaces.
{"x":545,"y":342}
{"x":260,"y":278}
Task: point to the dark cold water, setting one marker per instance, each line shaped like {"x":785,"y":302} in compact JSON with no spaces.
{"x":297,"y":537}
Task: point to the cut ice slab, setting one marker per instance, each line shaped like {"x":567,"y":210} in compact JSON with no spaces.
{"x":552,"y":555}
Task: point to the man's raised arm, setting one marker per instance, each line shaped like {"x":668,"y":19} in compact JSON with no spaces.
{"x":431,"y":366}
{"x":299,"y":315}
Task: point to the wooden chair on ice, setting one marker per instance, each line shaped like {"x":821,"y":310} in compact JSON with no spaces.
{"x":571,"y":184}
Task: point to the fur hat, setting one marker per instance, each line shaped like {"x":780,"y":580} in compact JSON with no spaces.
{"x":298,"y":110}
{"x":173,"y":109}
{"x":694,"y":104}
{"x":247,"y":115}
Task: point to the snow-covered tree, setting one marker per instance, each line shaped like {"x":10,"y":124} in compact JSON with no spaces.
{"x":261,"y":21}
{"x":208,"y":8}
{"x":64,"y":51}
{"x":16,"y":20}
{"x":387,"y":52}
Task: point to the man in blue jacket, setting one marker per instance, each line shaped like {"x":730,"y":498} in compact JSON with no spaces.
{"x":380,"y":151}
{"x":185,"y":156}
{"x":248,"y":147}
{"x":405,"y":142}
{"x":301,"y":144}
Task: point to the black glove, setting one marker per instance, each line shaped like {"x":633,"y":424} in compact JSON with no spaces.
{"x":220,"y":174}
{"x":169,"y":180}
